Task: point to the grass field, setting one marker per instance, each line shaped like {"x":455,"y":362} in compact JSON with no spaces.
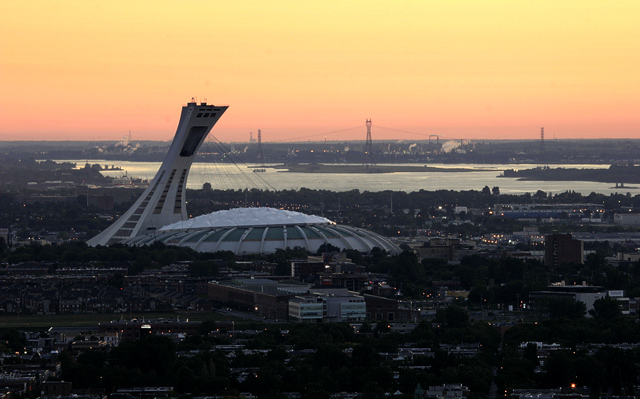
{"x":36,"y":322}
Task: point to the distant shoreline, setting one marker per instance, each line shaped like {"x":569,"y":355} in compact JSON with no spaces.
{"x":341,"y":168}
{"x":621,"y":175}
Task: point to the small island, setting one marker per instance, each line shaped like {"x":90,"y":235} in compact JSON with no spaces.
{"x":620,"y":175}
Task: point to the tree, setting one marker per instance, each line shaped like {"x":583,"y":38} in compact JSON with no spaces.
{"x":365,"y":327}
{"x":531,"y":353}
{"x":540,"y":195}
{"x":453,"y":316}
{"x":327,"y":248}
{"x":207,"y":326}
{"x":23,"y":234}
{"x":606,"y":308}
{"x":13,"y":339}
{"x":564,"y":308}
{"x":486,"y":190}
{"x":560,"y":369}
{"x":596,"y":262}
{"x":154,"y":356}
{"x":423,"y":333}
{"x":495,"y":190}
{"x":382,"y":327}
{"x":203,"y":268}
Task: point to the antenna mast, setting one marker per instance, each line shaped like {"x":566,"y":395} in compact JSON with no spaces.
{"x":368,"y":146}
{"x":260,"y":156}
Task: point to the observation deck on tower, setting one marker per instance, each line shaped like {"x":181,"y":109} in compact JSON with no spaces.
{"x":163,"y":202}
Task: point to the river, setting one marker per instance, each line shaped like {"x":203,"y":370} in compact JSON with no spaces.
{"x":226,"y":176}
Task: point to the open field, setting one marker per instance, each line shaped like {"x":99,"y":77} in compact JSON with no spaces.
{"x":30,"y":322}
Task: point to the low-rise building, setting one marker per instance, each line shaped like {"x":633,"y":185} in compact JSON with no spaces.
{"x":583,"y":293}
{"x":268,"y":298}
{"x":303,"y":268}
{"x":306,"y":308}
{"x":138,"y":328}
{"x":56,"y":388}
{"x":627,"y":219}
{"x":447,"y":391}
{"x":341,"y":304}
{"x":381,"y":308}
{"x":451,"y":249}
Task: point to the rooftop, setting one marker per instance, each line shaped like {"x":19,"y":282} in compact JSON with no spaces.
{"x":247,"y":217}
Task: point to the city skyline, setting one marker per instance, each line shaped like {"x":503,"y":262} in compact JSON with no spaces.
{"x":73,"y":70}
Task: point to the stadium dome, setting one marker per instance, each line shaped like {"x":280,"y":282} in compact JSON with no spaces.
{"x":262,"y":230}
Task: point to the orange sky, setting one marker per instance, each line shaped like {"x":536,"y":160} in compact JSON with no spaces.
{"x":83,"y":70}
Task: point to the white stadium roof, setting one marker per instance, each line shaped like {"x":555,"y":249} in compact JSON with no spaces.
{"x":263,"y":230}
{"x":247,"y":217}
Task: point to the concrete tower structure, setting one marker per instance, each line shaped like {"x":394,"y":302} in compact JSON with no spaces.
{"x":163,"y":202}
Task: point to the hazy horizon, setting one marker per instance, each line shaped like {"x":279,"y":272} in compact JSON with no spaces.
{"x":354,"y":140}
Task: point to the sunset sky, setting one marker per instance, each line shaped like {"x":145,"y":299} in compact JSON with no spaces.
{"x":300,"y":70}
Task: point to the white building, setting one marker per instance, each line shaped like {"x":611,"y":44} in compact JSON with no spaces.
{"x":330,"y":304}
{"x":263,"y":230}
{"x":306,"y":308}
{"x":341,"y":305}
{"x":627,"y":219}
